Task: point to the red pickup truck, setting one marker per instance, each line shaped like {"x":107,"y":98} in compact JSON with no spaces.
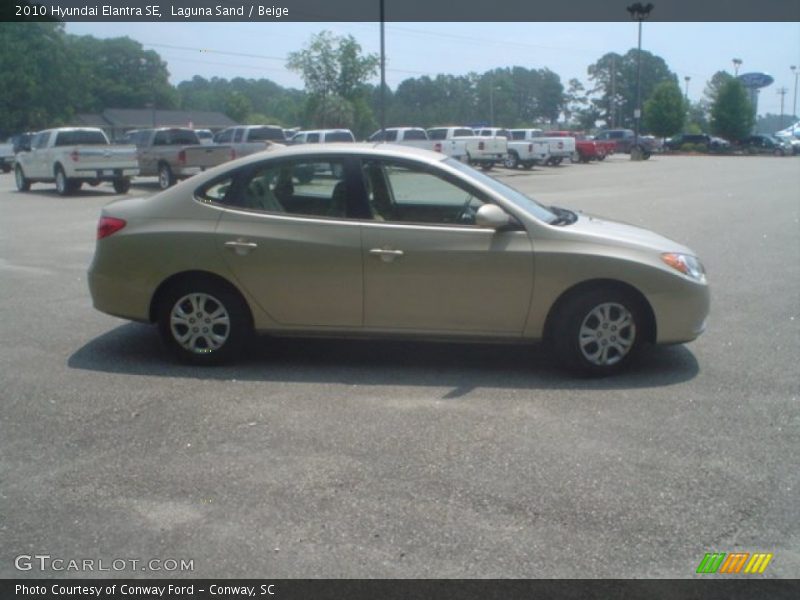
{"x":585,"y":149}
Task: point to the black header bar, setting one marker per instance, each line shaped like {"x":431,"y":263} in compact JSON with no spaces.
{"x":396,"y":10}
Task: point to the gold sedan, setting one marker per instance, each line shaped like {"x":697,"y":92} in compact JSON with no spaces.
{"x":382,"y":240}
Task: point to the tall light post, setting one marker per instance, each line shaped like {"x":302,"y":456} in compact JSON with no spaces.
{"x":686,"y":93}
{"x":794,"y":103}
{"x":383,"y":74}
{"x":782,"y":92}
{"x":737,"y":62}
{"x":638,"y":13}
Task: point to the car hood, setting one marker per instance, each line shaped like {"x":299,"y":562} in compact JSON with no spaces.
{"x":623,"y":234}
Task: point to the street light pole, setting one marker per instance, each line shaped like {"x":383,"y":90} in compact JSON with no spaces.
{"x":383,"y":75}
{"x":794,"y":103}
{"x":686,"y":93}
{"x":737,"y":62}
{"x":782,"y":92}
{"x":638,"y":13}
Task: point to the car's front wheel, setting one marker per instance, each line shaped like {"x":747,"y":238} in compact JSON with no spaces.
{"x":122,"y":185}
{"x":166,"y":178}
{"x":598,"y":333}
{"x":23,"y":184}
{"x":204,"y":322}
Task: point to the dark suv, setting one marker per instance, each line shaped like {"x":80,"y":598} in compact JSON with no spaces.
{"x":709,"y":142}
{"x":766,"y":144}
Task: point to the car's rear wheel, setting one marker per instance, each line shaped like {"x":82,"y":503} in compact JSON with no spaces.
{"x":778,"y":152}
{"x":122,"y":185}
{"x":204,"y":322}
{"x":23,"y":185}
{"x":487,"y":166}
{"x":598,"y":333}
{"x":511,"y":161}
{"x":63,"y":185}
{"x":166,"y":178}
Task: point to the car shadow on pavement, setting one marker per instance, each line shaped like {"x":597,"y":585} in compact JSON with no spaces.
{"x":135,"y":349}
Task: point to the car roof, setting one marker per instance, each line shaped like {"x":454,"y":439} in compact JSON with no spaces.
{"x":361,"y":148}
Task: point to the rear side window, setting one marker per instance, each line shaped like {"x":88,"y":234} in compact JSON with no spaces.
{"x":463,"y":133}
{"x":266,"y":134}
{"x":437,"y":134}
{"x":517,"y":135}
{"x":224,"y":136}
{"x":415,"y":134}
{"x":340,"y":136}
{"x":237,"y":137}
{"x":85,"y":137}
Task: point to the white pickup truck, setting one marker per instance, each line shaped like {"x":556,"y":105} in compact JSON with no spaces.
{"x":525,"y":153}
{"x":483,"y":151}
{"x":560,"y":148}
{"x":72,"y":156}
{"x":417,"y":137}
{"x":249,"y":139}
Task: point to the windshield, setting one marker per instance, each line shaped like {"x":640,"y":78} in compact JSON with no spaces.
{"x":519,"y":199}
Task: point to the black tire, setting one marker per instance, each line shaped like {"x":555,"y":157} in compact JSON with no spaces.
{"x":779,"y":152}
{"x":511,"y":161}
{"x":122,"y":185}
{"x":487,"y":166}
{"x":64,"y":186}
{"x":199,"y":300}
{"x":23,"y":183}
{"x":557,"y":160}
{"x":166,"y":178}
{"x":528,"y":165}
{"x":618,"y":338}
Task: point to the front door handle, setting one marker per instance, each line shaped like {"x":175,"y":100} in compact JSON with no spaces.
{"x":386,"y":254}
{"x":241,"y":247}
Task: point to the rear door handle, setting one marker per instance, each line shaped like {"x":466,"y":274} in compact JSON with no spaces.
{"x":385,"y":254}
{"x":241,"y":247}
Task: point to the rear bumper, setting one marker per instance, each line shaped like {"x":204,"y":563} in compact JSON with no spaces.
{"x":104,"y":174}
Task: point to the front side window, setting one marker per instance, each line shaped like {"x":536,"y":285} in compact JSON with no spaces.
{"x":237,"y":137}
{"x":408,"y":193}
{"x":224,"y":136}
{"x":312,"y":138}
{"x":312,"y":188}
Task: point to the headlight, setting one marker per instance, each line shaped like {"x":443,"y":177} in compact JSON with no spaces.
{"x":686,"y":264}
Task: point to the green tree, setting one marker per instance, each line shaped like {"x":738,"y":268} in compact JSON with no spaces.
{"x":732,"y":114}
{"x":237,"y":106}
{"x":39,"y":83}
{"x":665,"y":111}
{"x":334,"y":70}
{"x":614,"y":79}
{"x":714,"y":84}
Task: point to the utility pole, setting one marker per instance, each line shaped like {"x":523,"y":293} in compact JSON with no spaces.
{"x":737,"y":62}
{"x":782,"y":92}
{"x":383,"y":74}
{"x":612,"y":104}
{"x":794,"y":103}
{"x":638,"y":13}
{"x":686,"y":93}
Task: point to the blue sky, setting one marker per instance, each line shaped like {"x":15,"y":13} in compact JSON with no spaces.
{"x":255,"y":50}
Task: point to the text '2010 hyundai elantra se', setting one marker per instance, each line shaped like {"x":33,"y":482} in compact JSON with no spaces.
{"x":379,"y":240}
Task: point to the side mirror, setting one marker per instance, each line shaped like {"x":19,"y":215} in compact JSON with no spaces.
{"x":492,"y":216}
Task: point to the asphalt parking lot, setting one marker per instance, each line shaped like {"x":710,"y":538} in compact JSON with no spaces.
{"x":319,"y":458}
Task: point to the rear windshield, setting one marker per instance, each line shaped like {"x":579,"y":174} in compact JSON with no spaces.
{"x":463,"y":133}
{"x":85,"y":137}
{"x":339,"y":136}
{"x":266,"y":134}
{"x":437,"y":134}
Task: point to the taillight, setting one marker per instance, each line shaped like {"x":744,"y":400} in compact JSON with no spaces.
{"x":182,"y":157}
{"x":481,"y":145}
{"x":74,"y":155}
{"x":108,"y":225}
{"x":233,"y":153}
{"x":530,"y":147}
{"x":437,"y":147}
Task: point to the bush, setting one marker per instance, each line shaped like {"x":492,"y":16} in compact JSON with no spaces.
{"x":702,"y":148}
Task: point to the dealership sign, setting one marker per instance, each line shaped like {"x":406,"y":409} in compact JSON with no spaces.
{"x":756,"y":80}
